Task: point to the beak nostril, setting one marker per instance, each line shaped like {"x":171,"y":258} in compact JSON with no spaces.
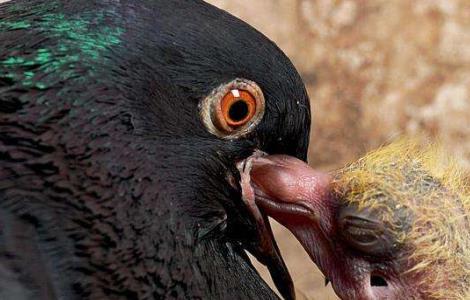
{"x":376,"y":280}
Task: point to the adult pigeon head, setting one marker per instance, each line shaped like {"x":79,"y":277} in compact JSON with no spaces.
{"x":393,"y":225}
{"x":124,"y":126}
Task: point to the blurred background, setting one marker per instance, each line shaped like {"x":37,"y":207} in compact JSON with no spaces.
{"x":375,"y":70}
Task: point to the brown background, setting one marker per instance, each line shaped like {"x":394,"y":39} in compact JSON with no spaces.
{"x":375,"y":70}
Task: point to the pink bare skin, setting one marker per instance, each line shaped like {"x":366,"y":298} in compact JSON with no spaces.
{"x":360,"y":266}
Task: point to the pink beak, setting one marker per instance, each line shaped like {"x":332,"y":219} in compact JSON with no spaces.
{"x":288,"y":190}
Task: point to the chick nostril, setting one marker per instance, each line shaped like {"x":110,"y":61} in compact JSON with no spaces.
{"x":377,"y":281}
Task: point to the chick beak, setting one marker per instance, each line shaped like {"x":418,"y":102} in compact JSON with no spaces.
{"x":291,"y":192}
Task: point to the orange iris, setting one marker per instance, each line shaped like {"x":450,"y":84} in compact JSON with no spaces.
{"x":237,"y":108}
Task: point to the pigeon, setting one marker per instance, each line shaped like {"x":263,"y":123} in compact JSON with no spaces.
{"x":393,"y":225}
{"x":125,"y":127}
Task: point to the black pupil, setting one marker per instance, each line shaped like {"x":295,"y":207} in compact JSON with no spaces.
{"x":238,"y":111}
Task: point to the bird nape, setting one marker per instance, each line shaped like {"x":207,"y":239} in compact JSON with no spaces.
{"x":393,"y":225}
{"x":123,"y":126}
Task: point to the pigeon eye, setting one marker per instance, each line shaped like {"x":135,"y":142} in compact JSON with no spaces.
{"x":238,"y":107}
{"x":233,"y":109}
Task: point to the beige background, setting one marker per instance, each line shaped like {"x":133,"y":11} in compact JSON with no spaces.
{"x":375,"y":70}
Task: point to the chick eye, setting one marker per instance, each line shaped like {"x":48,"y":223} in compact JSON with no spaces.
{"x":233,"y":109}
{"x":363,"y":231}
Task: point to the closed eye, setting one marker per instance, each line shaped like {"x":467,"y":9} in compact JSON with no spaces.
{"x":364,"y":231}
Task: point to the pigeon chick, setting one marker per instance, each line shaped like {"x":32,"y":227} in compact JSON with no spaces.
{"x":393,"y":225}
